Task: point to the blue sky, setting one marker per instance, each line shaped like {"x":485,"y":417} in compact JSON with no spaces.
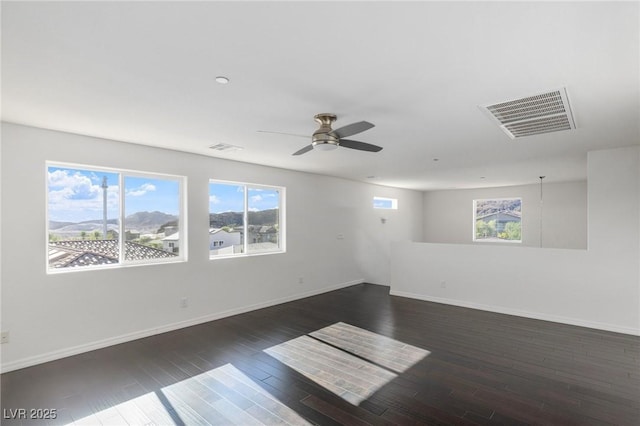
{"x":145,"y":194}
{"x":385,"y":203}
{"x":230,"y":197}
{"x":76,"y":195}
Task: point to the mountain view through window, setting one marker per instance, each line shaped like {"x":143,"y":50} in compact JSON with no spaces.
{"x":244,"y":219}
{"x":94,"y":213}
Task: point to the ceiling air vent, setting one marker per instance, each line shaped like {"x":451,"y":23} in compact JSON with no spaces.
{"x":534,"y":115}
{"x":225,"y":147}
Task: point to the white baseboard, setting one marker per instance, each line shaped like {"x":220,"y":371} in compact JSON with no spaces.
{"x":520,"y":313}
{"x":75,"y":350}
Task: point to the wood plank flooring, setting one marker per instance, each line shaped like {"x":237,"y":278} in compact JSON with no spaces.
{"x":453,"y":366}
{"x":349,"y":377}
{"x":389,"y":353}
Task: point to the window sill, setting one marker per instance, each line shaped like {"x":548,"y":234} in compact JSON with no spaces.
{"x":245,"y":255}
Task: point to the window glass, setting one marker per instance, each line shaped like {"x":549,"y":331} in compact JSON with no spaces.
{"x":93,"y":213}
{"x":497,"y":220}
{"x":83,"y":211}
{"x":152,"y":217}
{"x":244,"y":219}
{"x":263,"y":215}
{"x":226,"y":218}
{"x":385,"y":203}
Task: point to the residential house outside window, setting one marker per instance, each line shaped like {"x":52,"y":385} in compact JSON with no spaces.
{"x":245,"y":219}
{"x":497,"y":220}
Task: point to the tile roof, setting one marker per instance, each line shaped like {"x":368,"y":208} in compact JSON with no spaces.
{"x":71,"y":253}
{"x":216,"y":230}
{"x":515,"y":214}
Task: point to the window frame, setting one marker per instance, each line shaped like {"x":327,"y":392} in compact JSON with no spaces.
{"x":245,"y":218}
{"x":496,"y":240}
{"x":122,"y":175}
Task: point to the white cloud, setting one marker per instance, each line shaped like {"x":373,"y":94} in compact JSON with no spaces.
{"x":214,"y":200}
{"x":73,"y":185}
{"x":141,"y":190}
{"x":73,"y":196}
{"x":256,"y":198}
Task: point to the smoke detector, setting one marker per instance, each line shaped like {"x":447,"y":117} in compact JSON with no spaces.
{"x":534,"y":115}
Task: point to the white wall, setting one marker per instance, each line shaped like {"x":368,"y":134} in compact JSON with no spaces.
{"x":448,"y":215}
{"x":598,"y":287}
{"x":51,"y":316}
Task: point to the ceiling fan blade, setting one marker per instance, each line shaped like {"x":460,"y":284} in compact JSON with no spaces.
{"x":351,"y":129}
{"x":303,"y":150}
{"x":282,"y":133}
{"x":359,"y":145}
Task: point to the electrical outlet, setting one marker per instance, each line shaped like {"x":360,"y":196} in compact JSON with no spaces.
{"x":4,"y":337}
{"x":300,"y":280}
{"x":184,"y":302}
{"x":443,"y":284}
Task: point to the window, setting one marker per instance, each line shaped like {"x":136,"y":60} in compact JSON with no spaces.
{"x":245,"y":219}
{"x":497,"y":220}
{"x":99,"y":217}
{"x":385,"y":203}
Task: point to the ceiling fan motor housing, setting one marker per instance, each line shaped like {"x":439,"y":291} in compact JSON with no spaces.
{"x":323,"y":134}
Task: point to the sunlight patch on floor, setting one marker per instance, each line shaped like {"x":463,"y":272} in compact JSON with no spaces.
{"x":221,"y":396}
{"x":348,"y":361}
{"x":347,"y":376}
{"x":389,"y":353}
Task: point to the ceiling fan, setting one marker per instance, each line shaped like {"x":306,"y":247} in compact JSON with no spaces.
{"x":326,"y":139}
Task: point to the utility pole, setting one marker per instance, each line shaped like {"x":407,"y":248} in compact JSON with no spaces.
{"x":104,"y":207}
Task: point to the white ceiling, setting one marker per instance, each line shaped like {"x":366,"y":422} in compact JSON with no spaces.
{"x":143,"y":72}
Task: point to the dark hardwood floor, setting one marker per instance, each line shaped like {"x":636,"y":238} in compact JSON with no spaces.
{"x":481,"y":368}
